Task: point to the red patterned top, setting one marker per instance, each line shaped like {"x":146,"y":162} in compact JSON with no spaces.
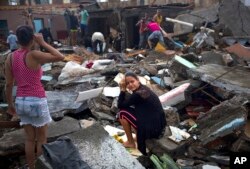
{"x":28,"y":80}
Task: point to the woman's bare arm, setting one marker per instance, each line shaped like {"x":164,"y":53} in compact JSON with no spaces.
{"x":53,"y":54}
{"x":9,"y":85}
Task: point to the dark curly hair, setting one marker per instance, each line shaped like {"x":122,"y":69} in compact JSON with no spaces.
{"x":24,"y":35}
{"x":132,"y":74}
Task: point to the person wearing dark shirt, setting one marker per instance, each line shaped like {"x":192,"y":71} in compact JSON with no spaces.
{"x":147,"y":115}
{"x":46,"y":35}
{"x":73,"y":28}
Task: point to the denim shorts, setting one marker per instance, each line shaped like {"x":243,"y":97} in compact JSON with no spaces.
{"x":157,"y":35}
{"x":33,"y":110}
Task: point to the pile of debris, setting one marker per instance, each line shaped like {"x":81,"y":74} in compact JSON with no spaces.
{"x":3,"y":46}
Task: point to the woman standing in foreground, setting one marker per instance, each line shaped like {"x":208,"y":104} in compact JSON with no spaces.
{"x":147,"y":117}
{"x":24,"y":68}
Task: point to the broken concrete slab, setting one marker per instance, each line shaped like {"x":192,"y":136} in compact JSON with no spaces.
{"x":13,"y":142}
{"x":212,"y":57}
{"x":231,"y":40}
{"x":97,"y":105}
{"x":99,"y":150}
{"x":239,"y":20}
{"x":178,"y":66}
{"x":165,"y":145}
{"x":59,"y":102}
{"x":103,"y":116}
{"x":234,"y":79}
{"x":198,"y":16}
{"x":149,"y":68}
{"x":222,"y":93}
{"x":221,"y":120}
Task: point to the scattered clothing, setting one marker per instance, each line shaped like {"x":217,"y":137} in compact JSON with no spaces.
{"x":62,"y":154}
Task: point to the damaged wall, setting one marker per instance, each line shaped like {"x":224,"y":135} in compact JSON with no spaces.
{"x":239,"y":20}
{"x":20,"y":20}
{"x":204,"y":3}
{"x":246,"y":2}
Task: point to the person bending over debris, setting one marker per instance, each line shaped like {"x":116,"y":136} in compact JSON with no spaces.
{"x":147,"y":117}
{"x":24,"y":67}
{"x":97,"y":40}
{"x":156,"y":33}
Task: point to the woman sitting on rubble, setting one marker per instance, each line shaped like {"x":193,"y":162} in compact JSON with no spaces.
{"x":147,"y":117}
{"x":24,"y":67}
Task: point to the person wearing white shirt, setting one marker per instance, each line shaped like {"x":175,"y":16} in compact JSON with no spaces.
{"x":97,"y":39}
{"x":12,"y":41}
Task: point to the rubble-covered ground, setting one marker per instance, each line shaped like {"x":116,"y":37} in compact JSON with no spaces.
{"x":204,"y":88}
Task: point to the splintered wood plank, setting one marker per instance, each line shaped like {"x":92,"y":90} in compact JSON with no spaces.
{"x":136,"y":53}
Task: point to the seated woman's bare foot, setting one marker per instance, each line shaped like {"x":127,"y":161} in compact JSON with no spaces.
{"x":129,"y":145}
{"x":135,"y":138}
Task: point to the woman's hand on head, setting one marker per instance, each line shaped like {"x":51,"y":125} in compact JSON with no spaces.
{"x":38,"y":37}
{"x":122,"y":85}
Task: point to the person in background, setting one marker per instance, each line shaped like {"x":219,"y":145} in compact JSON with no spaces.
{"x":24,"y":68}
{"x":67,"y":19}
{"x":84,"y":20}
{"x":73,"y":28}
{"x":147,"y":117}
{"x":97,"y":40}
{"x":46,"y":35}
{"x":88,"y":43}
{"x":12,"y":41}
{"x":143,"y":31}
{"x":156,"y":33}
{"x":158,"y":17}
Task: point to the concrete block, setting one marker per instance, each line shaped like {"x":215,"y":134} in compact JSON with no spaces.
{"x":165,"y":145}
{"x":99,"y":150}
{"x":13,"y":142}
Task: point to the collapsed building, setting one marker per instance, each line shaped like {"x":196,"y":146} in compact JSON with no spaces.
{"x":203,"y":87}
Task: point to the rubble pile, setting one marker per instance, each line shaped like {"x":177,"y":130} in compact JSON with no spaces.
{"x":204,"y":88}
{"x":3,"y":46}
